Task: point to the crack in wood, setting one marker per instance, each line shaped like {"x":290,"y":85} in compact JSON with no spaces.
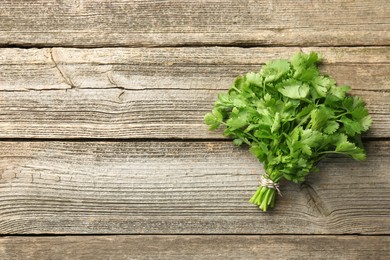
{"x":315,"y":201}
{"x":67,"y":80}
{"x":112,"y":81}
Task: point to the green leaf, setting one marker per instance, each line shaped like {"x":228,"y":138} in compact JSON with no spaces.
{"x":340,"y":91}
{"x":359,"y":112}
{"x":351,"y":127}
{"x":218,"y":115}
{"x":337,"y":139}
{"x":304,"y":60}
{"x":365,"y":122}
{"x":331,"y":127}
{"x":237,"y":141}
{"x":223,"y":99}
{"x":322,"y":85}
{"x":294,"y":89}
{"x":295,"y":134}
{"x":308,"y":74}
{"x":263,"y":134}
{"x":320,"y":116}
{"x":259,"y":150}
{"x":352,"y":150}
{"x":267,"y":97}
{"x":288,"y":177}
{"x":239,"y":102}
{"x":304,"y":66}
{"x":254,"y":78}
{"x":332,"y":101}
{"x":311,"y":137}
{"x":239,"y":120}
{"x":276,"y":123}
{"x":211,"y":121}
{"x":305,"y":111}
{"x":273,"y":70}
{"x":357,"y":102}
{"x":235,"y":123}
{"x":306,"y":149}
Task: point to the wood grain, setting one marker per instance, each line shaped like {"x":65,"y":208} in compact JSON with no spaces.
{"x":155,"y":93}
{"x":195,"y":247}
{"x":152,"y":197}
{"x":88,"y":23}
{"x":181,"y":188}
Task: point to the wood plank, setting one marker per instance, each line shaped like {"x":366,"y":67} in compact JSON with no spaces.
{"x":154,"y":93}
{"x":181,"y":188}
{"x":176,"y":23}
{"x":196,"y":247}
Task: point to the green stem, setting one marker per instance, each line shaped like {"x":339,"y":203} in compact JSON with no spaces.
{"x":264,"y":198}
{"x":327,"y":152}
{"x":302,"y":121}
{"x":346,"y":113}
{"x":254,"y":138}
{"x":236,"y":89}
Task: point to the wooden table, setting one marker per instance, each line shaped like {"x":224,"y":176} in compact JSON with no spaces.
{"x":104,"y":154}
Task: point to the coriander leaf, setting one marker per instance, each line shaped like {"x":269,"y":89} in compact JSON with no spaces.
{"x":263,"y":134}
{"x":238,"y":121}
{"x":351,"y":127}
{"x":235,"y":123}
{"x":223,"y":100}
{"x":253,"y":78}
{"x":276,"y":124}
{"x":365,"y":122}
{"x":308,"y":74}
{"x":290,"y":116}
{"x":213,"y":119}
{"x":311,"y":137}
{"x":359,"y":112}
{"x":294,"y":89}
{"x":322,"y":85}
{"x":237,"y":141}
{"x":351,"y":149}
{"x":210,"y":120}
{"x":306,"y":149}
{"x":304,"y":60}
{"x":340,"y":91}
{"x":239,"y":102}
{"x":320,"y":116}
{"x":331,"y":127}
{"x":273,"y":70}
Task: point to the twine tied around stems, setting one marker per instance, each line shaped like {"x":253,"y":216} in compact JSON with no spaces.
{"x":265,"y":181}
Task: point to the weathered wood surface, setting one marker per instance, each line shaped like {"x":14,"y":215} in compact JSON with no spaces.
{"x":195,"y":247}
{"x":181,"y":187}
{"x":178,"y":187}
{"x":154,"y":93}
{"x":186,"y":22}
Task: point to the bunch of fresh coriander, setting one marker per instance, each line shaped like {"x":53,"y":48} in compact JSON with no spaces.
{"x":291,"y":117}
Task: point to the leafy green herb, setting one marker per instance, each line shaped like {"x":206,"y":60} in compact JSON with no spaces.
{"x":291,"y":117}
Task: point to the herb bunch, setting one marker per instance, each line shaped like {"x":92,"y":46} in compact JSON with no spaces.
{"x":291,"y":117}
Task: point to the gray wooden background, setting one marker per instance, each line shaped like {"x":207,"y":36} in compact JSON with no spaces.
{"x":103,"y":150}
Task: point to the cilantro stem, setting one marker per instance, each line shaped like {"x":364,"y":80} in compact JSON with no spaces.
{"x":342,"y":114}
{"x":328,"y":152}
{"x":236,"y":89}
{"x":253,"y":138}
{"x":247,"y":142}
{"x":302,"y":122}
{"x":308,"y":101}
